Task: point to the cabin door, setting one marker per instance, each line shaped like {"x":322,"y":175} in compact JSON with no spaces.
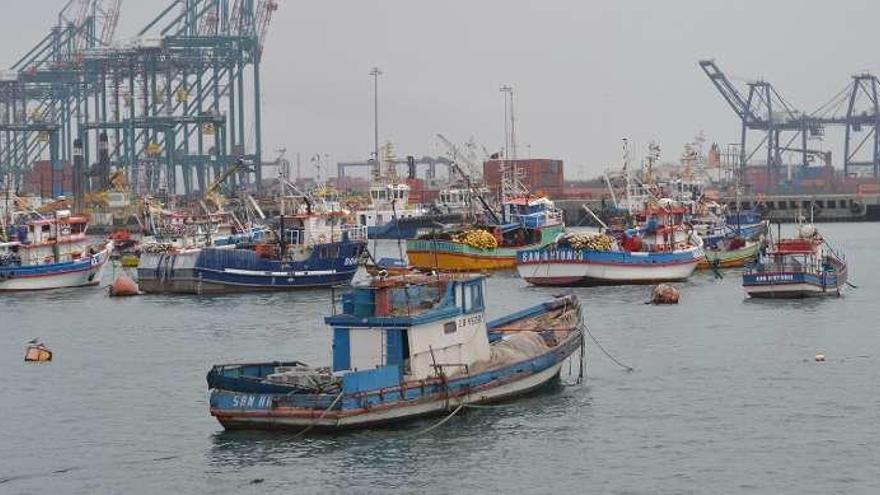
{"x":396,"y":346}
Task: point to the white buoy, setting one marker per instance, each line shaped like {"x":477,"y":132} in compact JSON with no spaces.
{"x":820,"y":358}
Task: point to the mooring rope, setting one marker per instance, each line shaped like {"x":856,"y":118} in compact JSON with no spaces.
{"x":437,"y":424}
{"x":599,"y":345}
{"x":319,"y":418}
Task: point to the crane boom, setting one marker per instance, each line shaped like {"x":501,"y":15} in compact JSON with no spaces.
{"x":727,"y":89}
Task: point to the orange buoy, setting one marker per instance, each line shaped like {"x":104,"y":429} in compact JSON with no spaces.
{"x":664,"y":294}
{"x":123,"y":286}
{"x":37,"y":352}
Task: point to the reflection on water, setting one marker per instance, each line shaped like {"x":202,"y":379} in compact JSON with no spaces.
{"x":725,"y":396}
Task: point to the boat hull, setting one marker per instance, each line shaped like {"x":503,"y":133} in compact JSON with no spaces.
{"x":237,"y":410}
{"x":79,"y":273}
{"x":564,"y":267}
{"x":220,"y":271}
{"x":729,"y":259}
{"x":793,"y":285}
{"x":379,"y":417}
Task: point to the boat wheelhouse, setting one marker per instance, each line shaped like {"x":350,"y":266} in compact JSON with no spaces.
{"x":390,"y":214}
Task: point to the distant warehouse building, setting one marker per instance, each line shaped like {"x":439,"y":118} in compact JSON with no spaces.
{"x":540,"y":175}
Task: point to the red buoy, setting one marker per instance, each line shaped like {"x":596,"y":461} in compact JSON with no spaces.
{"x":123,"y":286}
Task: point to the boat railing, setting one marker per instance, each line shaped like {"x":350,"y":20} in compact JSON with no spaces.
{"x":787,"y":267}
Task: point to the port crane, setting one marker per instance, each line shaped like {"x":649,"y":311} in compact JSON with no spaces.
{"x":786,"y":130}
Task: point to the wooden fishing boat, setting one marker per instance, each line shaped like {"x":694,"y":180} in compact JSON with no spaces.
{"x":804,"y":266}
{"x":403,"y":348}
{"x":526,"y":223}
{"x":52,"y":253}
{"x":733,"y":253}
{"x":662,"y":249}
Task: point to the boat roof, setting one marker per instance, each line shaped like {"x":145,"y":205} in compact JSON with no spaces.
{"x":416,"y":279}
{"x":41,"y":221}
{"x":529,"y":201}
{"x":794,"y":246}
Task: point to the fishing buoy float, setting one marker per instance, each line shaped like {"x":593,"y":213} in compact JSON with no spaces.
{"x":820,"y":358}
{"x":37,"y":352}
{"x":123,"y":286}
{"x":664,"y":294}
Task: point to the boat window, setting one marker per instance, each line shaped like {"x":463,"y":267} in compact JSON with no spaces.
{"x":783,"y":205}
{"x":477,"y":296}
{"x":44,"y":228}
{"x":466,"y":298}
{"x":449,"y":327}
{"x":843,"y":203}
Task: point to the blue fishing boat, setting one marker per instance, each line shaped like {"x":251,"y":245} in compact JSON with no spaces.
{"x":403,"y":347}
{"x":306,"y":250}
{"x":804,"y":266}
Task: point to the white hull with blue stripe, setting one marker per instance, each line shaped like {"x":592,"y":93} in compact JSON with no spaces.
{"x":565,"y":266}
{"x":79,"y":273}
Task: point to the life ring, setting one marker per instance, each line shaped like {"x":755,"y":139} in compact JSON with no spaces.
{"x":857,"y":208}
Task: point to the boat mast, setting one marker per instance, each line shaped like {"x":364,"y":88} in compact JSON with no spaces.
{"x":626,"y":178}
{"x":377,"y":173}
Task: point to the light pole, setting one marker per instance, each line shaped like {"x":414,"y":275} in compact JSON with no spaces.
{"x":505,"y":89}
{"x":376,"y":73}
{"x":510,"y":135}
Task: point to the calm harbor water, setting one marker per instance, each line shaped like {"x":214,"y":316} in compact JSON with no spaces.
{"x":726,"y":397}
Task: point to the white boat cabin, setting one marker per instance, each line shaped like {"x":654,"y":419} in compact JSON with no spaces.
{"x":411,"y":328}
{"x":388,"y":201}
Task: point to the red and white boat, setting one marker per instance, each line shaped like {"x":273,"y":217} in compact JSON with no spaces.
{"x":51,"y":253}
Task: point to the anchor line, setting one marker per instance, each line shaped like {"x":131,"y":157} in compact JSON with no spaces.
{"x":599,"y":345}
{"x":439,"y":423}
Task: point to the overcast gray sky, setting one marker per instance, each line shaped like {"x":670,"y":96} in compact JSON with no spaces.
{"x":585,"y":73}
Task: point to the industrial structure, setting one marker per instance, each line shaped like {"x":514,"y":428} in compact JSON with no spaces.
{"x":785,"y":132}
{"x":172,"y":107}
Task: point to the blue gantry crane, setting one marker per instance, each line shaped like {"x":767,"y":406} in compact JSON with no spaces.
{"x":172,"y":106}
{"x":785,"y":130}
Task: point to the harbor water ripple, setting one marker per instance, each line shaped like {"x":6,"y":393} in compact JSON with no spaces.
{"x":725,"y":397}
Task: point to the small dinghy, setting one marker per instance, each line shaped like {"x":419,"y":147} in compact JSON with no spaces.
{"x":403,"y":347}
